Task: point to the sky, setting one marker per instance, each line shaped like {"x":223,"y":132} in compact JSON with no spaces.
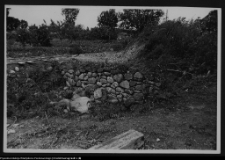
{"x":88,"y":14}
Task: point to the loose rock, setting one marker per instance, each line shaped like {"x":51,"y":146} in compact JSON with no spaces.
{"x":17,"y":69}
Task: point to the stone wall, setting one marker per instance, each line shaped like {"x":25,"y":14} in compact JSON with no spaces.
{"x":114,"y":84}
{"x":102,"y":82}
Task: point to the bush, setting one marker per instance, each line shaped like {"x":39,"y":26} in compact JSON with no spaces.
{"x":75,"y":49}
{"x":40,"y":36}
{"x":184,"y":42}
{"x":117,"y":47}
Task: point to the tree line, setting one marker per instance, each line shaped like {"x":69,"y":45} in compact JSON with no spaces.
{"x":109,"y":24}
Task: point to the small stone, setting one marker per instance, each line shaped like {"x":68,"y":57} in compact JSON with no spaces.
{"x":138,"y":87}
{"x":99,"y":83}
{"x":98,"y":93}
{"x":119,"y":96}
{"x":49,"y":68}
{"x":115,"y":84}
{"x":110,"y":79}
{"x":128,"y":91}
{"x":63,"y":72}
{"x":125,"y":84}
{"x":78,"y":83}
{"x":94,"y":74}
{"x":68,"y":75}
{"x":77,"y":73}
{"x":138,"y":75}
{"x":132,"y":83}
{"x":65,"y":88}
{"x":112,"y":98}
{"x":103,"y":81}
{"x":65,"y":111}
{"x":11,"y":131}
{"x":21,"y":63}
{"x":92,"y":80}
{"x":118,"y":78}
{"x":151,"y":82}
{"x":106,"y":73}
{"x":30,"y":62}
{"x":109,"y":90}
{"x":104,"y":77}
{"x":86,"y":78}
{"x":89,"y":74}
{"x":17,"y":69}
{"x":12,"y":72}
{"x":71,"y":71}
{"x":128,"y":76}
{"x":118,"y":89}
{"x":125,"y":95}
{"x":98,"y":102}
{"x":68,"y":84}
{"x":71,"y":81}
{"x":81,"y":77}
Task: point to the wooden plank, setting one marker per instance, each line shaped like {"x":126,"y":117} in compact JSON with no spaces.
{"x":128,"y":140}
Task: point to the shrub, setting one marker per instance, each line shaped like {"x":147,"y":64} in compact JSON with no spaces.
{"x":183,"y":41}
{"x":75,"y":49}
{"x":40,"y":35}
{"x":117,"y":47}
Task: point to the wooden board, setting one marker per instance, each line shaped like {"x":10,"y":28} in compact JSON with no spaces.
{"x":128,"y":140}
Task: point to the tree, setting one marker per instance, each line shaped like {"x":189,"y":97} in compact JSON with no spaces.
{"x":12,"y":23}
{"x":70,"y":15}
{"x":108,"y":20}
{"x":23,"y":24}
{"x":40,"y":35}
{"x":209,"y":22}
{"x":69,"y":23}
{"x":137,"y":19}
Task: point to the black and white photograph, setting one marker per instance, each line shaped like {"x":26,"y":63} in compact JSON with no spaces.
{"x":112,"y":79}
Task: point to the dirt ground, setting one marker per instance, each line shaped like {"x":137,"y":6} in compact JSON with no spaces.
{"x":188,"y":124}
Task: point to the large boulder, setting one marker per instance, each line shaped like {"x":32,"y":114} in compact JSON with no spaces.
{"x":81,"y":104}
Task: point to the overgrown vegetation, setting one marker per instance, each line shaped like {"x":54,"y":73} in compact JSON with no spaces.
{"x":180,"y":57}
